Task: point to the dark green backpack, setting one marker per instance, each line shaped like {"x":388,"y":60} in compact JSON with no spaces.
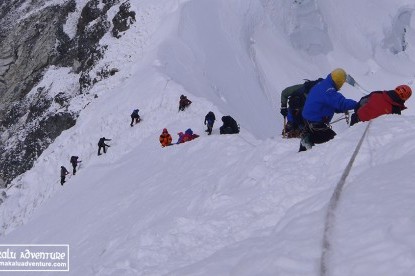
{"x":297,"y":100}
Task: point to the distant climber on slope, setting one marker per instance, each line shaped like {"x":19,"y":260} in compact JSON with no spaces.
{"x":102,"y":145}
{"x":379,"y":103}
{"x":181,"y":136}
{"x":165,"y":138}
{"x":322,"y":102}
{"x":64,"y":173}
{"x":135,"y":118}
{"x":187,"y":136}
{"x":74,"y":161}
{"x":230,"y":126}
{"x":209,"y":121}
{"x":184,"y":102}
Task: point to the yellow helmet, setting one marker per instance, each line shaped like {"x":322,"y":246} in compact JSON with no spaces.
{"x":339,"y":77}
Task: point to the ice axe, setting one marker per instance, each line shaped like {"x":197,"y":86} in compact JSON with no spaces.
{"x":283,"y":130}
{"x":350,"y":80}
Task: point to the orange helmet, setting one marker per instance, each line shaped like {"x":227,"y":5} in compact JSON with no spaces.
{"x":403,"y":91}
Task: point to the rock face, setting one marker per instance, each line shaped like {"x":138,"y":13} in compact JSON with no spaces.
{"x":33,"y":40}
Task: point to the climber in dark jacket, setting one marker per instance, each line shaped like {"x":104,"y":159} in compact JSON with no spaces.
{"x":64,"y":173}
{"x":102,"y":145}
{"x":74,"y":161}
{"x":209,"y":121}
{"x":135,"y":118}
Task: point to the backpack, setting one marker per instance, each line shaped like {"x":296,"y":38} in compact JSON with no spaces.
{"x":230,"y":122}
{"x":297,"y":99}
{"x":74,"y":159}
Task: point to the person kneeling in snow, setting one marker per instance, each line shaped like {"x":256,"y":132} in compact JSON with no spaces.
{"x":380,"y":103}
{"x":230,"y":126}
{"x":74,"y":161}
{"x":165,"y":138}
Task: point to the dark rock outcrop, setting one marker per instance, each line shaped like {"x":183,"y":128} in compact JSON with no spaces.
{"x":122,"y":20}
{"x":32,"y":39}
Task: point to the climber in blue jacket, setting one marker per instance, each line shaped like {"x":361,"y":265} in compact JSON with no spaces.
{"x":322,"y":102}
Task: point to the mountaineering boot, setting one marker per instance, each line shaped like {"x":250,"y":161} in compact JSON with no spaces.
{"x":305,"y":143}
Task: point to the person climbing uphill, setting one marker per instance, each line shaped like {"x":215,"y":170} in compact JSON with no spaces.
{"x":184,"y":102}
{"x":135,"y":117}
{"x":64,"y":173}
{"x":292,"y":104}
{"x":379,"y":103}
{"x":102,"y":145}
{"x":322,"y":102}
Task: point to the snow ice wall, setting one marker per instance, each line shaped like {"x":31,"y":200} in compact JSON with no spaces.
{"x":264,"y":46}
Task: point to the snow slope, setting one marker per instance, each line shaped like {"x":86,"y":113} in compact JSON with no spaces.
{"x":244,"y":204}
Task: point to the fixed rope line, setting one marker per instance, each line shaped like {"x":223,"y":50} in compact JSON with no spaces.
{"x":350,"y":80}
{"x":364,"y":91}
{"x":330,"y":216}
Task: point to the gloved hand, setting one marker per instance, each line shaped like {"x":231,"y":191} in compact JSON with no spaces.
{"x":284,"y":111}
{"x":360,"y":103}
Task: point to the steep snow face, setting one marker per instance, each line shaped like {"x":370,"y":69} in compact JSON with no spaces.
{"x":398,"y":33}
{"x":372,"y":40}
{"x":244,"y":204}
{"x":221,"y":32}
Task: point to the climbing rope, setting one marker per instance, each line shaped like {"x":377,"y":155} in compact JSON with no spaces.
{"x":330,"y":216}
{"x":345,"y":117}
{"x":350,"y":80}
